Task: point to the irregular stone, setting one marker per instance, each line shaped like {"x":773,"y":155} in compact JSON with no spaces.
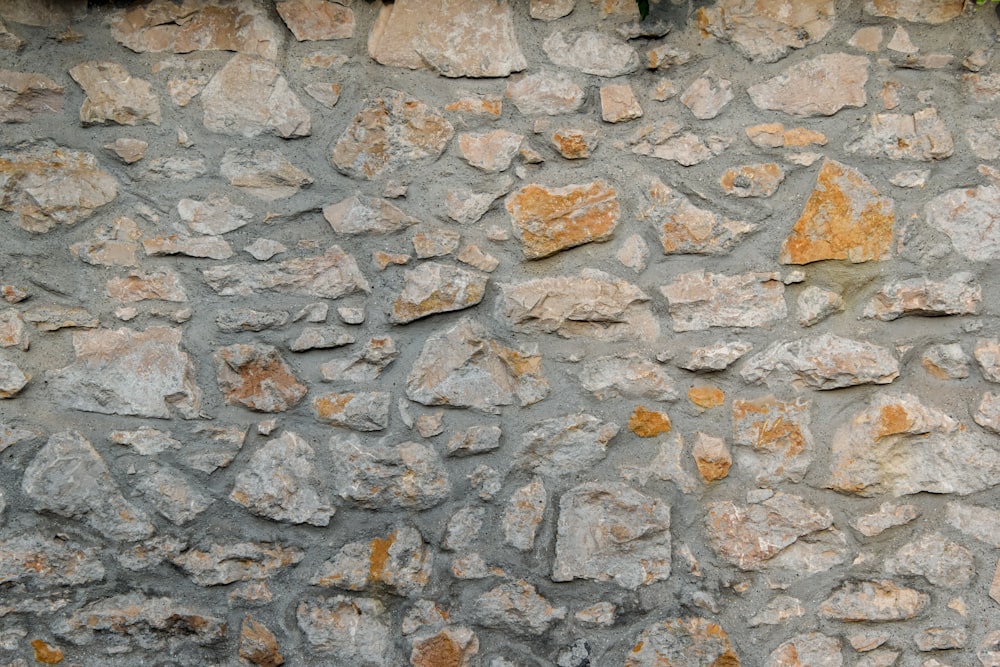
{"x":258,"y":645}
{"x":320,"y":338}
{"x":700,"y":300}
{"x":40,"y":563}
{"x":475,"y":257}
{"x":366,"y":366}
{"x":265,"y":174}
{"x":523,"y":514}
{"x":172,"y":494}
{"x":618,"y":103}
{"x":326,"y":93}
{"x":752,"y":180}
{"x":477,"y":439}
{"x":967,"y":216}
{"x":916,"y":11}
{"x":778,"y":611}
{"x":210,"y":247}
{"x":114,"y":95}
{"x":46,"y":185}
{"x":241,"y":561}
{"x":112,"y":244}
{"x":11,"y":435}
{"x":988,"y":413}
{"x":12,"y":330}
{"x":182,"y":91}
{"x":988,"y":651}
{"x":401,"y":562}
{"x":391,"y":132}
{"x":684,"y":228}
{"x":648,"y":423}
{"x":633,"y":375}
{"x":203,"y":26}
{"x":69,"y":478}
{"x":315,"y":20}
{"x":23,"y":95}
{"x":489,"y":151}
{"x":436,"y":288}
{"x":368,"y":643}
{"x":960,"y":294}
{"x":897,"y":445}
{"x":669,"y":141}
{"x":453,"y":646}
{"x":888,"y":516}
{"x":715,"y":357}
{"x":466,"y":207}
{"x":47,"y":654}
{"x":844,"y":218}
{"x":935,"y":558}
{"x":712,"y":457}
{"x":463,"y":528}
{"x":815,"y":304}
{"x":565,"y":445}
{"x":919,"y":136}
{"x":684,"y":642}
{"x":548,"y":220}
{"x":217,"y":448}
{"x":634,"y":253}
{"x":707,"y":95}
{"x":133,"y":620}
{"x":12,"y":42}
{"x":281,"y":482}
{"x":821,"y":86}
{"x":255,"y":376}
{"x":249,"y":96}
{"x":330,"y":276}
{"x":405,"y":476}
{"x":940,"y":639}
{"x":145,"y":441}
{"x":867,"y":39}
{"x":775,"y":441}
{"x":213,"y":216}
{"x":549,"y":93}
{"x":515,"y":607}
{"x":665,"y":56}
{"x":361,"y":411}
{"x":573,"y":143}
{"x":435,"y":243}
{"x":264,"y":249}
{"x":822,"y":362}
{"x":873,"y":601}
{"x":366,"y":215}
{"x":774,"y":135}
{"x":550,"y":10}
{"x":141,"y":286}
{"x":177,"y":168}
{"x":591,"y":52}
{"x":53,"y":318}
{"x":127,"y":372}
{"x":768,"y":32}
{"x":594,"y":304}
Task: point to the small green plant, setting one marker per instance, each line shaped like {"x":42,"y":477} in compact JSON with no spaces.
{"x":644,"y":7}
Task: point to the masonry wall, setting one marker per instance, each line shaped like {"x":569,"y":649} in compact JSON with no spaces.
{"x":444,"y":333}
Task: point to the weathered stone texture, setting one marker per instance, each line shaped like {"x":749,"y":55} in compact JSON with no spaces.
{"x":701,"y":300}
{"x":25,"y":94}
{"x":256,"y":376}
{"x":114,"y":95}
{"x":685,"y":228}
{"x":822,"y":362}
{"x":768,"y":31}
{"x":409,"y":475}
{"x":548,"y":220}
{"x":564,"y":445}
{"x":249,"y":96}
{"x":331,"y":275}
{"x":818,"y":87}
{"x":685,"y":642}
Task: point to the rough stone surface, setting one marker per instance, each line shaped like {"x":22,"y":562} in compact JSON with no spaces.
{"x":591,"y":52}
{"x":567,"y":444}
{"x":400,"y":561}
{"x":242,"y":561}
{"x":919,"y":136}
{"x":967,"y":216}
{"x":688,"y":229}
{"x":822,"y":362}
{"x":409,"y":475}
{"x":437,"y":288}
{"x":257,"y":377}
{"x":114,"y":95}
{"x":959,"y":294}
{"x":266,"y":174}
{"x":701,"y":300}
{"x":316,"y":20}
{"x":331,"y":275}
{"x":633,"y":376}
{"x":775,"y":441}
{"x":818,"y":87}
{"x":23,"y":95}
{"x":685,"y":642}
{"x":361,"y":411}
{"x":545,"y":92}
{"x":878,"y":601}
{"x":547,"y":220}
{"x":936,"y":558}
{"x":767,"y":32}
{"x":516,"y":607}
{"x":707,"y":95}
{"x":368,"y":642}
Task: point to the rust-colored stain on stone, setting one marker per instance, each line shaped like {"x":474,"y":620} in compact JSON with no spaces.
{"x":752,"y":180}
{"x":437,"y":651}
{"x":648,"y":423}
{"x":572,"y":145}
{"x":46,"y":653}
{"x":706,"y":396}
{"x":548,"y":220}
{"x":844,"y":218}
{"x":379,"y":557}
{"x":893,"y":419}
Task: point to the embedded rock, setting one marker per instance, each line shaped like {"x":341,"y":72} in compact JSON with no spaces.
{"x":235,"y":320}
{"x":436,"y":288}
{"x":633,"y":376}
{"x":326,"y":93}
{"x":550,"y":93}
{"x":981,"y":523}
{"x":815,"y":304}
{"x":917,"y":11}
{"x":700,"y":300}
{"x":959,"y":294}
{"x":140,"y":286}
{"x":315,"y":20}
{"x":550,"y":10}
{"x":126,"y":372}
{"x":53,"y":318}
{"x":565,"y":445}
{"x":844,"y":218}
{"x":216,"y":448}
{"x":876,"y":601}
{"x":707,"y":95}
{"x":919,"y":136}
{"x":39,"y":563}
{"x":774,"y":135}
{"x":172,"y":494}
{"x":320,"y":338}
{"x":524,"y":513}
{"x":367,"y":365}
{"x":249,"y":96}
{"x":366,"y":215}
{"x":988,"y":413}
{"x":255,"y":376}
{"x":489,"y":151}
{"x":401,"y":562}
{"x":970,"y":217}
{"x":935,"y":558}
{"x":611,"y":532}
{"x":888,"y":516}
{"x":767,"y":32}
{"x":281,"y":482}
{"x":330,"y":276}
{"x":114,"y":95}
{"x":258,"y":645}
{"x":463,"y":367}
{"x":591,"y":53}
{"x":361,"y":411}
{"x":547,"y":220}
{"x":648,"y":423}
{"x":69,"y":478}
{"x":619,"y":104}
{"x":822,"y":362}
{"x":453,"y":646}
{"x":814,"y":649}
{"x":265,"y":174}
{"x":112,"y":244}
{"x":715,"y":357}
{"x":775,"y":443}
{"x":683,"y":642}
{"x":752,"y":180}
{"x":211,"y":247}
{"x":515,"y":607}
{"x":712,"y":457}
{"x":407,"y":476}
{"x":670,"y":141}
{"x":821,"y":86}
{"x":687,"y":229}
{"x":367,"y":641}
{"x":23,"y":95}
{"x":12,"y":378}
{"x":240,"y":561}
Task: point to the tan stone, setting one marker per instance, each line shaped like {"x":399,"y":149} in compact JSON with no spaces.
{"x":686,"y":641}
{"x":436,"y":288}
{"x":752,"y":180}
{"x":706,"y":396}
{"x":685,"y":228}
{"x":258,"y":645}
{"x":114,"y":95}
{"x":366,"y":215}
{"x":12,"y":331}
{"x":633,"y":253}
{"x":574,"y":142}
{"x":942,"y":562}
{"x":815,"y":304}
{"x":648,"y":423}
{"x":53,"y":318}
{"x":591,"y":52}
{"x":766,"y":30}
{"x":435,"y":243}
{"x":969,"y":217}
{"x":712,"y":457}
{"x":265,"y":174}
{"x":867,"y":39}
{"x":182,"y":91}
{"x":887,"y":516}
{"x":400,"y":561}
{"x":368,"y":643}
{"x":669,"y":141}
{"x":774,"y":438}
{"x":490,"y":151}
{"x":331,"y":275}
{"x":844,"y":218}
{"x":12,"y":378}
{"x":255,"y":375}
{"x":450,"y":647}
{"x":629,"y":374}
{"x":919,"y":136}
{"x":818,"y":87}
{"x":477,"y":258}
{"x":489,"y":106}
{"x":312,"y":20}
{"x":474,"y":38}
{"x":716,"y":356}
{"x":43,"y":12}
{"x":707,"y":95}
{"x":523,"y":514}
{"x":128,"y":150}
{"x":665,"y":56}
{"x":45,"y":653}
{"x":813,"y":649}
{"x":409,"y":476}
{"x":774,"y":135}
{"x":700,"y":300}
{"x":10,"y":41}
{"x":548,"y":220}
{"x":917,"y":11}
{"x":212,"y":247}
{"x":959,"y":294}
{"x":23,"y":95}
{"x":618,"y":103}
{"x":873,"y":601}
{"x":249,"y":96}
{"x":550,"y":10}
{"x":550,"y":93}
{"x":140,"y":286}
{"x":220,"y":564}
{"x":822,"y":362}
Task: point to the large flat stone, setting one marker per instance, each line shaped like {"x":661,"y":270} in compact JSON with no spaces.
{"x":565,"y":445}
{"x":959,"y":294}
{"x":548,"y":220}
{"x":114,"y":95}
{"x":971,"y":219}
{"x":688,"y":229}
{"x":331,"y":275}
{"x":818,"y":87}
{"x":683,"y":642}
{"x":700,"y":300}
{"x":768,"y":30}
{"x":917,"y":11}
{"x":437,"y":288}
{"x":249,"y":96}
{"x":591,"y":52}
{"x":23,"y":95}
{"x":822,"y":362}
{"x":408,"y":476}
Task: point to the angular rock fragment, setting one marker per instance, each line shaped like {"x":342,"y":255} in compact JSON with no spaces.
{"x":453,"y":645}
{"x":203,"y":26}
{"x":611,"y":532}
{"x":172,"y":494}
{"x":366,"y":366}
{"x":767,"y":32}
{"x":549,"y":93}
{"x":594,"y":304}
{"x":969,"y":217}
{"x":591,"y":52}
{"x":523,"y":514}
{"x":712,"y":457}
{"x":367,"y":643}
{"x":145,"y":441}
{"x":12,"y":42}
{"x":435,"y":243}
{"x":315,"y":20}
{"x":210,"y":247}
{"x":547,"y":220}
{"x":774,"y":135}
{"x":550,"y":10}
{"x":265,"y":174}
{"x":436,"y":288}
{"x":114,"y":95}
{"x":264,"y":249}
{"x":898,"y":446}
{"x":477,"y":439}
{"x":392,"y":131}
{"x":254,"y":375}
{"x":45,"y":185}
{"x":982,"y":523}
{"x":249,"y":96}
{"x":752,"y":180}
{"x":814,"y":649}
{"x":684,"y":642}
{"x":774,"y":438}
{"x":873,"y":601}
{"x":707,"y":95}
{"x":463,"y":528}
{"x":959,"y":294}
{"x":12,"y":330}
{"x":235,"y":320}
{"x":633,"y":375}
{"x":844,"y":218}
{"x":406,"y":476}
{"x":935,"y":558}
{"x":700,"y":300}
{"x":182,"y":91}
{"x":126,"y":372}
{"x":670,"y":141}
{"x":360,"y":411}
{"x":618,"y":103}
{"x":240,"y":561}
{"x":777,"y":611}
{"x":216,"y":448}
{"x":23,"y":95}
{"x":177,"y":168}
{"x":466,"y":207}
{"x":10,"y":435}
{"x":573,"y":142}
{"x":489,"y":151}
{"x":213,"y":216}
{"x":940,"y":639}
{"x":141,"y":286}
{"x":665,"y":56}
{"x":940,"y":11}
{"x":69,"y":478}
{"x":717,"y":356}
{"x":463,"y":367}
{"x":281,"y":482}
{"x":39,"y":563}
{"x":258,"y":645}
{"x":478,"y":259}
{"x":919,"y":136}
{"x":888,"y":516}
{"x":401,"y":562}
{"x":988,"y":413}
{"x":366,"y":215}
{"x":320,"y":338}
{"x":515,"y":607}
{"x":331,"y":275}
{"x":648,"y":423}
{"x":53,"y":318}
{"x":112,"y":244}
{"x":822,"y":362}
{"x":685,"y":228}
{"x":326,"y":93}
{"x":565,"y":445}
{"x":821,"y":86}
{"x":815,"y":304}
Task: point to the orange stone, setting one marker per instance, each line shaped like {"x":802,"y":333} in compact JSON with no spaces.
{"x":774,"y":135}
{"x":46,"y":654}
{"x":648,"y":423}
{"x":258,"y":645}
{"x":712,"y":457}
{"x":844,"y":218}
{"x":548,"y":220}
{"x":706,"y":396}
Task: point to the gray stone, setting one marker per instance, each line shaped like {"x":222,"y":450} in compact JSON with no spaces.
{"x":822,"y":362}
{"x":546,"y":92}
{"x":549,"y":220}
{"x":959,"y":294}
{"x":707,"y":95}
{"x":489,"y":151}
{"x":39,"y":563}
{"x":216,"y":448}
{"x":591,"y":52}
{"x":407,"y":476}
{"x":366,"y":215}
{"x":436,"y":288}
{"x":877,"y":601}
{"x":214,"y":215}
{"x":177,"y":168}
{"x":774,"y":439}
{"x":987,"y":353}
{"x":971,"y":219}
{"x":235,"y":320}
{"x":401,"y":562}
{"x":700,"y":300}
{"x":463,"y":528}
{"x":515,"y":607}
{"x":53,"y":318}
{"x":814,"y":649}
{"x":12,"y":378}
{"x":946,"y":361}
{"x":281,"y":482}
{"x":265,"y":174}
{"x":23,"y":95}
{"x":682,"y":642}
{"x":936,"y":558}
{"x":146,"y":441}
{"x":671,"y":141}
{"x":685,"y":228}
{"x":69,"y":478}
{"x":778,"y":611}
{"x":173,"y":496}
{"x":768,"y":32}
{"x":821,"y":86}
{"x":940,"y":639}
{"x":367,"y":365}
{"x":523,"y":514}
{"x":10,"y":435}
{"x":237,"y":561}
{"x":211,"y":247}
{"x":331,"y":275}
{"x":815,"y":304}
{"x":114,"y":95}
{"x":477,"y":439}
{"x":359,"y":411}
{"x":264,"y":249}
{"x":368,"y":643}
{"x":320,"y":338}
{"x":635,"y":376}
{"x":256,"y":376}
{"x":918,"y":136}
{"x":888,"y":516}
{"x":982,"y":523}
{"x":550,"y":10}
{"x":565,"y":445}
{"x":716,"y":356}
{"x":12,"y":42}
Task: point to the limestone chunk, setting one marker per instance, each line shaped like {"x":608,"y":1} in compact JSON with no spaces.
{"x":265,"y":174}
{"x":960,"y":294}
{"x":768,"y":32}
{"x":896,"y":445}
{"x":573,"y":142}
{"x":12,"y":42}
{"x":366,"y":215}
{"x":822,"y":362}
{"x":235,"y":320}
{"x":217,"y":447}
{"x":45,"y":185}
{"x":249,"y":96}
{"x":700,"y":300}
{"x":474,"y":104}
{"x":821,"y":86}
{"x":548,"y":220}
{"x":359,"y":411}
{"x":10,"y":435}
{"x":982,"y":523}
{"x":114,"y":95}
{"x":211,"y":247}
{"x":477,"y":258}
{"x":685,"y":642}
{"x":255,"y":376}
{"x":126,"y":372}
{"x":182,"y":91}
{"x":477,"y":439}
{"x":988,"y":413}
{"x":172,"y":494}
{"x":436,"y":288}
{"x":453,"y":645}
{"x":887,"y":516}
{"x":489,"y":151}
{"x":717,"y":356}
{"x":391,"y":132}
{"x":774,"y":135}
{"x":264,"y":249}
{"x":281,"y":482}
{"x":565,"y":445}
{"x":401,"y":562}
{"x":549,"y":93}
{"x":145,"y":441}
{"x":919,"y":136}
{"x":873,"y":601}
{"x":515,"y":607}
{"x":462,"y":367}
{"x":69,"y":478}
{"x":325,"y":92}
{"x":320,"y":338}
{"x":523,"y":514}
{"x":707,"y":95}
{"x":315,"y":20}
{"x":141,"y":286}
{"x":940,"y":639}
{"x":916,"y":11}
{"x":53,"y":318}
{"x":935,"y":558}
{"x":406,"y":476}
{"x":634,"y":253}
{"x":778,"y":611}
{"x":844,"y":218}
{"x":435,"y":243}
{"x":331,"y":275}
{"x":365,"y":366}
{"x":752,"y":180}
{"x":463,"y":528}
{"x":969,"y":216}
{"x":177,"y":168}
{"x":23,"y":95}
{"x":466,"y":207}
{"x":591,"y":52}
{"x":775,"y":441}
{"x":40,"y":563}
{"x":712,"y":457}
{"x":815,"y":304}
{"x":550,"y":10}
{"x":670,"y":141}
{"x":112,"y":244}
{"x":593,"y":304}
{"x":618,"y":103}
{"x":368,"y":643}
{"x":633,"y":376}
{"x":648,"y":423}
{"x":665,"y":56}
{"x":12,"y":330}
{"x":685,"y":228}
{"x":240,"y":561}
{"x":258,"y":645}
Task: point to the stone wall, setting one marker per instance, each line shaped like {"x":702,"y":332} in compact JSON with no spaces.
{"x":446,"y":333}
